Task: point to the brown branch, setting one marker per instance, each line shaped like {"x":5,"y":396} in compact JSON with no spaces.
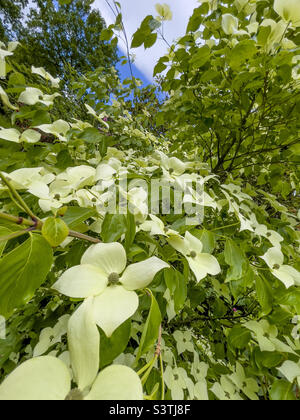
{"x":38,"y":226}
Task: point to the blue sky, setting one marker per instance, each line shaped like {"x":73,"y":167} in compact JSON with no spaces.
{"x":134,"y":11}
{"x":125,"y":72}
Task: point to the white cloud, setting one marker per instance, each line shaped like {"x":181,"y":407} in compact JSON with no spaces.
{"x":134,"y":11}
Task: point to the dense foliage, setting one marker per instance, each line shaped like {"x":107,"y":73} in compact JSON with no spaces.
{"x":58,"y":36}
{"x":188,"y":294}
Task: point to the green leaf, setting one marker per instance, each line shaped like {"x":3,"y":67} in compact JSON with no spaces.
{"x":151,"y":329}
{"x":149,"y":24}
{"x":3,"y":232}
{"x":201,"y":57}
{"x":290,"y":297}
{"x":268,"y":359}
{"x":242,"y":52}
{"x":197,"y":17}
{"x":176,"y":283}
{"x":281,"y":390}
{"x":91,"y":135}
{"x":295,"y":149}
{"x":55,"y":231}
{"x":74,"y":216}
{"x":160,"y":65}
{"x":106,"y":34}
{"x":138,"y":38}
{"x":234,"y":257}
{"x":16,"y":79}
{"x":64,"y":159}
{"x":41,"y":117}
{"x":264,"y":294}
{"x":113,"y":227}
{"x":150,"y":40}
{"x":113,"y":346}
{"x":22,"y":271}
{"x":207,"y":238}
{"x":144,"y":34}
{"x":130,"y":230}
{"x":239,"y":337}
{"x":263,"y":35}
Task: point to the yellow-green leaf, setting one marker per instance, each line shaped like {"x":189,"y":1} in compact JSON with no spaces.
{"x":55,"y":231}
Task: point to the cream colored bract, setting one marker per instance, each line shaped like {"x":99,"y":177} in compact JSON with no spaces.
{"x":103,"y":276}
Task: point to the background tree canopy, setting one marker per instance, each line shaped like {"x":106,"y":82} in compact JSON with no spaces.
{"x":197,"y":304}
{"x":11,"y":17}
{"x":56,"y":35}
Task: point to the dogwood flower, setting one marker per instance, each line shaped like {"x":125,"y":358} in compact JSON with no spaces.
{"x":164,"y":12}
{"x":78,"y":176}
{"x":200,"y":263}
{"x":213,"y":4}
{"x":290,"y":370}
{"x":53,"y":197}
{"x":45,"y":75}
{"x":49,"y":378}
{"x":266,"y":336}
{"x":271,"y":235}
{"x":225,"y":390}
{"x":288,"y":10}
{"x":30,"y":96}
{"x":50,"y":336}
{"x":230,"y":25}
{"x":277,"y":31}
{"x":110,"y":170}
{"x":172,"y":167}
{"x":29,"y":178}
{"x":138,"y":202}
{"x":199,"y":372}
{"x":103,"y":276}
{"x":155,"y":226}
{"x":288,"y":275}
{"x":249,"y":386}
{"x":202,"y":199}
{"x":15,"y":136}
{"x":58,"y":128}
{"x":93,"y":198}
{"x":236,"y":191}
{"x":248,"y":6}
{"x":177,"y":380}
{"x":4,"y":97}
{"x":184,"y":341}
{"x":4,"y":53}
{"x":100,"y":118}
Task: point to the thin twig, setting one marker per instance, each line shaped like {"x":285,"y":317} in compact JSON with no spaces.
{"x":37,"y":224}
{"x":18,"y":197}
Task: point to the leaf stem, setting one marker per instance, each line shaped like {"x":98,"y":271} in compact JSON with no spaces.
{"x":144,"y":368}
{"x":37,"y":224}
{"x":162,"y":377}
{"x":148,"y":371}
{"x":17,"y":196}
{"x":225,"y":227}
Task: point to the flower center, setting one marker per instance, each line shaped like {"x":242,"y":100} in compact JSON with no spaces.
{"x":57,"y":197}
{"x":113,"y":278}
{"x":276,"y":267}
{"x":193,"y":254}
